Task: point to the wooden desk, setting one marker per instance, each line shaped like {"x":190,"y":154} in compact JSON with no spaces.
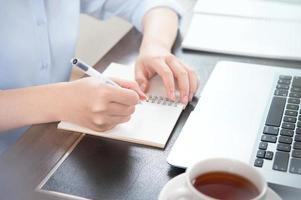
{"x":26,"y":163}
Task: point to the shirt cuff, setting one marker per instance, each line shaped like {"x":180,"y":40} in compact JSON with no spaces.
{"x":145,"y":6}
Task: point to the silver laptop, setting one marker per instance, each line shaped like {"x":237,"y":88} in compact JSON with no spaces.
{"x":250,"y":113}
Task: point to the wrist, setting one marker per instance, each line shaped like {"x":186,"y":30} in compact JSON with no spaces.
{"x":154,"y":45}
{"x":57,"y":101}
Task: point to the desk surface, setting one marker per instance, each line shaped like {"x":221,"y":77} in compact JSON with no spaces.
{"x":26,"y":163}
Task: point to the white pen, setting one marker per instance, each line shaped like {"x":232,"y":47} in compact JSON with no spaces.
{"x":92,"y":72}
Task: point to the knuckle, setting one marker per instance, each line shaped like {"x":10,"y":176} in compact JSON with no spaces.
{"x":98,"y":121}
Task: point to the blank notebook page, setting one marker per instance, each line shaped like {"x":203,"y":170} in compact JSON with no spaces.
{"x":152,"y":122}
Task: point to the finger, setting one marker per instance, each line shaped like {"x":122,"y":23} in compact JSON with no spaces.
{"x":141,"y":79}
{"x":120,"y":109}
{"x":193,"y":81}
{"x":132,"y":86}
{"x":121,"y":95}
{"x":135,"y":87}
{"x":167,"y":76}
{"x":182,"y":77}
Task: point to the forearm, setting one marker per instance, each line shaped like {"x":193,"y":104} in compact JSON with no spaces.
{"x":160,"y":27}
{"x":33,"y":105}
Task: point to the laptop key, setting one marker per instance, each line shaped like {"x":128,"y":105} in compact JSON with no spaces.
{"x":284,"y":81}
{"x":297,"y":138}
{"x":289,"y":119}
{"x":258,"y":162}
{"x":299,"y":124}
{"x":269,"y":155}
{"x":283,"y":147}
{"x":288,"y":125}
{"x":291,"y":113}
{"x":295,"y":95}
{"x":276,"y":111}
{"x":269,"y":138}
{"x":297,"y":82}
{"x":298,"y":130}
{"x":296,"y":153}
{"x":281,"y":161}
{"x":292,"y":107}
{"x":293,"y":100}
{"x":282,"y":93}
{"x":285,"y":139}
{"x":294,"y":89}
{"x":271,"y":130}
{"x":295,"y":166}
{"x":260,"y":154}
{"x":287,"y":132}
{"x":297,"y":145}
{"x":285,"y":77}
{"x":282,"y":87}
{"x":263,"y":145}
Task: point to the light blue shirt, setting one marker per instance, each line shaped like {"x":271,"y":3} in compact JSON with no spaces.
{"x":38,"y":37}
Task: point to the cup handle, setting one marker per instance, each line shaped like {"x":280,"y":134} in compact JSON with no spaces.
{"x":181,"y":194}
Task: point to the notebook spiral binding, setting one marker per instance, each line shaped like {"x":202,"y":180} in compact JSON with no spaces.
{"x":162,"y":101}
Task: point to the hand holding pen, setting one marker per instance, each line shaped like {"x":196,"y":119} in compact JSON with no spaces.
{"x":90,"y":71}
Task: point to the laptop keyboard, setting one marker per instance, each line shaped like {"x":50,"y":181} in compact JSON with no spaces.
{"x":283,"y":128}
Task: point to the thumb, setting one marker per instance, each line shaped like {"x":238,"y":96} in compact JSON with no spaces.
{"x":142,"y":80}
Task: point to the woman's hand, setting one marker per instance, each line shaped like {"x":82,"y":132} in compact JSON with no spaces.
{"x":155,"y":59}
{"x":98,"y":106}
{"x":86,"y":102}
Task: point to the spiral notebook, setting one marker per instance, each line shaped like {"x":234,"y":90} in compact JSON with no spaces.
{"x":153,"y":120}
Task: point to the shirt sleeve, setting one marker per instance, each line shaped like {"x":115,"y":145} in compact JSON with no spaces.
{"x":130,"y":10}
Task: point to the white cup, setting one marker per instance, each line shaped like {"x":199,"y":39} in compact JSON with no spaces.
{"x":189,"y":192}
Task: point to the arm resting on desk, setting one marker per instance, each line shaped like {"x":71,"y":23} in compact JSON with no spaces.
{"x":86,"y":102}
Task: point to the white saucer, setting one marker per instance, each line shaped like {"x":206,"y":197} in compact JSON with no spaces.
{"x":179,"y":180}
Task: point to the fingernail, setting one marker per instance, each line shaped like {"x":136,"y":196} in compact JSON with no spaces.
{"x":185,"y":99}
{"x":144,"y":96}
{"x":172,"y":95}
